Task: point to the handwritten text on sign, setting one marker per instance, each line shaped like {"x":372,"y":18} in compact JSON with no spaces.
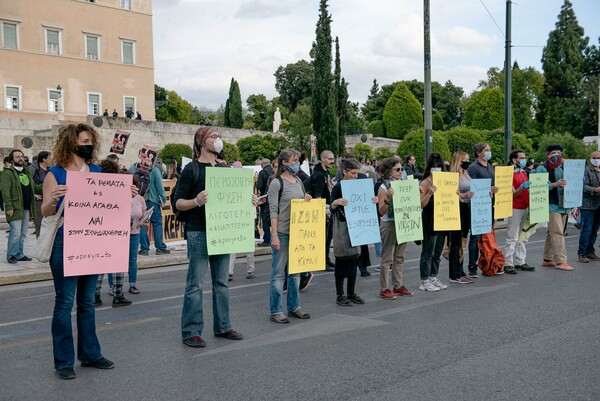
{"x":503,"y":198}
{"x":481,"y":206}
{"x":97,"y":223}
{"x":407,"y":211}
{"x":229,"y":210}
{"x":446,"y":212}
{"x":573,"y":195}
{"x":538,"y":198}
{"x":361,"y":213}
{"x":307,"y":236}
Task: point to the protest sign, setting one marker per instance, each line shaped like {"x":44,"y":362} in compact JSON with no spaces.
{"x":307,"y":236}
{"x":573,"y":195}
{"x":538,"y":198}
{"x":407,"y":210}
{"x":119,"y":142}
{"x":446,"y":212}
{"x":97,"y":223}
{"x":229,"y":211}
{"x":361,"y":212}
{"x":481,"y":206}
{"x":146,"y":161}
{"x":172,"y":229}
{"x":503,"y":179}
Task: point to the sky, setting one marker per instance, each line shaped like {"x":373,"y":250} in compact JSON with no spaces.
{"x":199,"y":45}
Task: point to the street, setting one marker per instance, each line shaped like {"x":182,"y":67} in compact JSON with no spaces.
{"x":530,"y":336}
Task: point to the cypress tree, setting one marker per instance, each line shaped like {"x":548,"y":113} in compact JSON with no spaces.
{"x":341,"y":99}
{"x":323,"y":95}
{"x":235,"y":107}
{"x":226,"y":120}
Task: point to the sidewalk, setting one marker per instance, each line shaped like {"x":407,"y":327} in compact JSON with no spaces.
{"x":25,"y":272}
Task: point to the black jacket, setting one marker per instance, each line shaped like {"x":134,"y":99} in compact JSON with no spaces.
{"x":319,"y":183}
{"x":263,"y":179}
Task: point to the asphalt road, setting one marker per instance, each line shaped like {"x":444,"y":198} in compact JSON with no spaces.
{"x":530,"y":336}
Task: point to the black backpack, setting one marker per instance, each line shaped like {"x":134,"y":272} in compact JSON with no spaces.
{"x":182,"y":215}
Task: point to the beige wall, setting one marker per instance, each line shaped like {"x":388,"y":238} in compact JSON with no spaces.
{"x":36,"y":72}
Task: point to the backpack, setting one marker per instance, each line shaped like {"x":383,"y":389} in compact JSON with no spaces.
{"x":491,"y":259}
{"x":182,"y":215}
{"x":281,"y":187}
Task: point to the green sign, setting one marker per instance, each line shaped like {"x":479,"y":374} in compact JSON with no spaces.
{"x":407,"y":211}
{"x":538,"y":198}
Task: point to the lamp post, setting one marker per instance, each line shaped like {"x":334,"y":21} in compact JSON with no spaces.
{"x":59,"y":105}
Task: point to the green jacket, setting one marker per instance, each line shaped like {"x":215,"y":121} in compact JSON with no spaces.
{"x":12,"y":193}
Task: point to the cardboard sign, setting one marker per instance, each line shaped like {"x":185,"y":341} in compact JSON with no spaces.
{"x":307,"y":236}
{"x":481,"y":206}
{"x":573,"y":191}
{"x":119,"y":142}
{"x":97,"y":223}
{"x":361,"y":212}
{"x":503,"y":198}
{"x":229,"y":210}
{"x":408,"y":216}
{"x":446,"y":210}
{"x":539,"y":210}
{"x":147,"y":157}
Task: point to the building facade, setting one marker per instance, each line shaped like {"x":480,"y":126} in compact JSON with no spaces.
{"x":68,"y":59}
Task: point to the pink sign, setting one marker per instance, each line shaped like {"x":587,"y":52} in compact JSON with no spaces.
{"x":97,"y":223}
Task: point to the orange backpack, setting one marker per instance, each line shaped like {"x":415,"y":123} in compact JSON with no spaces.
{"x":491,"y":259}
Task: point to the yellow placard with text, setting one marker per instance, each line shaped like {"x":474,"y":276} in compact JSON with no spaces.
{"x":307,"y":236}
{"x":503,"y":179}
{"x":446,"y":209}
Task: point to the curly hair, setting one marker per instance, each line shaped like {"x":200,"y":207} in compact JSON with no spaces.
{"x":66,"y":143}
{"x":388,"y":164}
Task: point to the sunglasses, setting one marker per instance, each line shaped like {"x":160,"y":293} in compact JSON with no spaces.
{"x":397,"y":169}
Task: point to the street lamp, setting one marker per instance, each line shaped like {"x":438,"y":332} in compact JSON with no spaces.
{"x":59,"y":90}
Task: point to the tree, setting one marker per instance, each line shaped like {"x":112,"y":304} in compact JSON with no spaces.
{"x":175,"y":109}
{"x":362,"y":151}
{"x":374,"y":92}
{"x":376,"y":127}
{"x":259,"y":147}
{"x":373,"y":109}
{"x":341,"y":99}
{"x":236,"y":118}
{"x":496,"y":140}
{"x":574,"y":148}
{"x":258,"y":109}
{"x":438,"y":121}
{"x":414,"y":144}
{"x":323,"y":95}
{"x":175,"y":151}
{"x":294,"y":83}
{"x":300,"y":128}
{"x":485,"y":110}
{"x":462,"y":138}
{"x":444,"y":99}
{"x":402,"y":113}
{"x":226,"y":119}
{"x":563,"y":65}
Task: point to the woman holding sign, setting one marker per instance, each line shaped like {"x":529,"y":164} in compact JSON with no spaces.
{"x":284,"y":187}
{"x":392,"y":253}
{"x":346,"y":256}
{"x":75,"y":150}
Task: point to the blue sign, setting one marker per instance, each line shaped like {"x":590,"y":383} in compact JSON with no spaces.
{"x":573,"y":195}
{"x":361,"y":212}
{"x":481,"y":206}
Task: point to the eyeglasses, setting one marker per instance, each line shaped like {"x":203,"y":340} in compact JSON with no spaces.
{"x":214,"y":137}
{"x":397,"y":169}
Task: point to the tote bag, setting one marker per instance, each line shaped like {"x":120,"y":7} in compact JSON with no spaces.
{"x":48,"y":229}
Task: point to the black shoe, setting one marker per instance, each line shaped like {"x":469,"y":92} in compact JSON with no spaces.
{"x":24,"y":259}
{"x":101,"y":363}
{"x":120,"y":301}
{"x":510,"y":270}
{"x":355,"y":299}
{"x":230,"y":335}
{"x":343,"y":301}
{"x":12,"y":260}
{"x":525,"y":267}
{"x":264,"y":244}
{"x":163,"y":251}
{"x":66,"y":373}
{"x":143,"y":253}
{"x":97,"y":301}
{"x":250,"y":276}
{"x":330,"y":263}
{"x":230,"y":277}
{"x":133,"y":290}
{"x":305,"y":281}
{"x":195,"y":342}
{"x":365,"y":273}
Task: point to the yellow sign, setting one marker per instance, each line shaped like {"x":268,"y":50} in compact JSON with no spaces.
{"x":503,"y":179}
{"x":446,"y":210}
{"x":307,"y":236}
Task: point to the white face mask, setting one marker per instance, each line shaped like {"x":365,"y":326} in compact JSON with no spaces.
{"x":595,"y":162}
{"x":218,"y":145}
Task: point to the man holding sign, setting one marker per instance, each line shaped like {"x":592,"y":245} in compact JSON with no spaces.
{"x":191,"y":197}
{"x":590,"y":210}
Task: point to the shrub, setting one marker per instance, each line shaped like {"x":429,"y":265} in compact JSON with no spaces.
{"x":574,"y":148}
{"x":377,"y":128}
{"x":462,"y":138}
{"x":414,"y":143}
{"x":175,"y":150}
{"x":485,"y":110}
{"x":362,"y":151}
{"x":402,"y":113}
{"x":231,"y":152}
{"x":438,"y":121}
{"x":496,"y":140}
{"x":258,"y":147}
{"x":382,"y":153}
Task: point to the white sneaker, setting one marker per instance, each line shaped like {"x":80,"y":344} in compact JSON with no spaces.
{"x":436,"y":281}
{"x":427,"y":285}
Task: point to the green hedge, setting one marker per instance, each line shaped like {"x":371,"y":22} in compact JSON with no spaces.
{"x":377,"y":128}
{"x":402,"y":113}
{"x":414,"y":143}
{"x":175,"y":150}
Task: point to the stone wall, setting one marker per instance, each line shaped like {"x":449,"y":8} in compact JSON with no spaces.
{"x":374,"y":142}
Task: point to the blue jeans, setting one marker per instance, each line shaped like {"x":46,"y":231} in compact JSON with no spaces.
{"x":473,"y":253}
{"x":589,"y":221}
{"x":16,"y":236}
{"x":134,"y":242}
{"x":378,"y":247}
{"x":266,"y":223}
{"x":65,"y":288}
{"x":279,"y":264}
{"x":192,"y":320}
{"x":157,"y":229}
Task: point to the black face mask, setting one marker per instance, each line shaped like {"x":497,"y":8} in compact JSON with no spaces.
{"x":85,"y":151}
{"x":465,"y":165}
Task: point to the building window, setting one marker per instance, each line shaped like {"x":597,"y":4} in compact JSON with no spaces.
{"x":54,"y":98}
{"x":9,"y":35}
{"x":53,"y":42}
{"x":129,"y":103}
{"x":128,"y":51}
{"x":94,"y":105}
{"x":126,"y":4}
{"x":92,"y":47}
{"x":12,"y":95}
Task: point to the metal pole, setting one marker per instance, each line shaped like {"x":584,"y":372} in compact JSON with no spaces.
{"x":427,"y":97}
{"x":507,"y":86}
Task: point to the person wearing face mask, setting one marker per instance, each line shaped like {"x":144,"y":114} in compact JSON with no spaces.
{"x":18,"y":192}
{"x":190,"y":196}
{"x":555,"y":251}
{"x":481,"y":168}
{"x":515,"y":250}
{"x":589,"y":213}
{"x":284,"y":187}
